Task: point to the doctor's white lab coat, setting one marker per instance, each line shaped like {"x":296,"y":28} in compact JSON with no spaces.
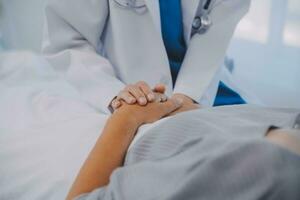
{"x":100,"y":47}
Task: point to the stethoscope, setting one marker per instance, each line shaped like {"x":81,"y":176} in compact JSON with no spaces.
{"x":202,"y":22}
{"x":130,"y":4}
{"x":200,"y":25}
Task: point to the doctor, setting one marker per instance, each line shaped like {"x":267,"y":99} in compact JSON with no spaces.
{"x":102,"y":47}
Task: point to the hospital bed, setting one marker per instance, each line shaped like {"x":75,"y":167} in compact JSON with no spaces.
{"x":46,"y":129}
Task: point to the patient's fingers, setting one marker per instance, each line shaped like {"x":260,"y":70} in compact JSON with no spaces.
{"x":171,"y":105}
{"x":160,"y":97}
{"x":116,"y":104}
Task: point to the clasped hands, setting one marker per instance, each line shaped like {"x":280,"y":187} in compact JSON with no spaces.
{"x":143,"y":105}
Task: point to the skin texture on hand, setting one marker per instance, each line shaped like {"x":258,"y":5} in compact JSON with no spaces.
{"x":187,"y":105}
{"x":111,"y":147}
{"x":139,"y":93}
{"x":286,"y":138}
{"x":150,"y":113}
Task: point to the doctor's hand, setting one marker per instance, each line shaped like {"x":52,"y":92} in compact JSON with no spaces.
{"x":187,"y":105}
{"x":136,"y":115}
{"x":139,"y":93}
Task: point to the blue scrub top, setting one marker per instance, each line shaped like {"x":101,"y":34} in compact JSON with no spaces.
{"x":172,"y":32}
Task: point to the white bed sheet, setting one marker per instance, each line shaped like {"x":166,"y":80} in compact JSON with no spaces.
{"x":46,"y":129}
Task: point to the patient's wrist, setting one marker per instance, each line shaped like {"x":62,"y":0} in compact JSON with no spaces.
{"x":126,"y":115}
{"x":286,"y":138}
{"x":184,"y":97}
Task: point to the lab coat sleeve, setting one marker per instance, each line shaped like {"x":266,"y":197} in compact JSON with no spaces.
{"x":206,"y":52}
{"x":72,"y":40}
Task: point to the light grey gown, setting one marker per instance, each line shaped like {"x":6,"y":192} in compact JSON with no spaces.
{"x":210,"y":154}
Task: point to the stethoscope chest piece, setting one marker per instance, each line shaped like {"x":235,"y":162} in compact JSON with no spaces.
{"x":201,"y":24}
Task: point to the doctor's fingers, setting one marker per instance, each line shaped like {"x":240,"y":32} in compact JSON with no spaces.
{"x":136,"y":92}
{"x":161,"y":88}
{"x":146,"y":89}
{"x":126,"y":96}
{"x":160,"y":97}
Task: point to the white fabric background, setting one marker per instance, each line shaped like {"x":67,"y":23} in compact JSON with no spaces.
{"x":46,"y":131}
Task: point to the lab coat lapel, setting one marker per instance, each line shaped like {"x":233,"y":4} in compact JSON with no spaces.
{"x":189,"y":11}
{"x":153,"y":7}
{"x":154,"y":10}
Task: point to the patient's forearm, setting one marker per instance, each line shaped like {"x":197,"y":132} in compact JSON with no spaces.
{"x":286,"y":138}
{"x":110,"y":149}
{"x":107,"y":155}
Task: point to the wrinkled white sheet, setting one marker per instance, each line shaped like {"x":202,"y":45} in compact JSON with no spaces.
{"x":46,"y":130}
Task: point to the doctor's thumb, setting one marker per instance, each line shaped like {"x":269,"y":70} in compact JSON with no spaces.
{"x":160,"y":88}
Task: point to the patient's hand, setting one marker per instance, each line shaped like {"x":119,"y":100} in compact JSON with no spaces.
{"x":187,"y":104}
{"x":138,"y":115}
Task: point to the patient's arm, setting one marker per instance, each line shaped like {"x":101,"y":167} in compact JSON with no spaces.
{"x":188,"y":104}
{"x":110,"y":149}
{"x":286,"y":138}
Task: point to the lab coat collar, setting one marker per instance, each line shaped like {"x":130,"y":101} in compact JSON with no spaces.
{"x":189,"y":10}
{"x":153,"y":7}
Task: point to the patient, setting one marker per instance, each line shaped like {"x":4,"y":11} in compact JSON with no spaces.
{"x":239,"y":157}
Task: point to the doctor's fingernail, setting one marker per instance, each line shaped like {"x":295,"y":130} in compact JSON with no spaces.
{"x":142,"y":100}
{"x":131,"y":100}
{"x":151,"y":96}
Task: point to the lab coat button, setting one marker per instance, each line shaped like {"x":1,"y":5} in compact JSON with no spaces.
{"x":197,"y":22}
